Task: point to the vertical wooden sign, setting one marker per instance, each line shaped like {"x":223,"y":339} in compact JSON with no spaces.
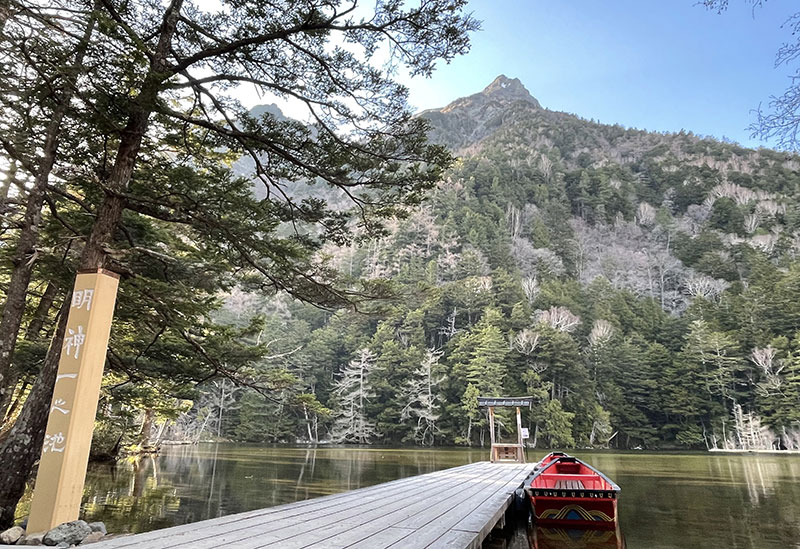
{"x":65,"y":454}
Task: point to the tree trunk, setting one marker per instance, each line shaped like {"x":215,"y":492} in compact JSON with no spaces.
{"x":5,"y":12}
{"x":202,"y":428}
{"x":7,"y":395}
{"x":33,"y":333}
{"x":21,"y":447}
{"x":8,"y":180}
{"x":24,"y":255}
{"x":308,"y":424}
{"x":221,"y":409}
{"x":147,"y":428}
{"x":17,"y":401}
{"x":36,"y":324}
{"x":160,"y":435}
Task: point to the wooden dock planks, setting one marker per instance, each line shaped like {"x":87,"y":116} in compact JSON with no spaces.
{"x":455,"y":507}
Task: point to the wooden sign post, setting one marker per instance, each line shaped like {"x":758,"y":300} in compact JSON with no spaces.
{"x":65,"y":454}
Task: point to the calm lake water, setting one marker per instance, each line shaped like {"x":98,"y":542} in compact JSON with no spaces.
{"x":667,"y":500}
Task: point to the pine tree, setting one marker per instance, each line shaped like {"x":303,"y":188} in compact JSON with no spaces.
{"x":469,"y":407}
{"x":486,"y":369}
{"x":166,"y":88}
{"x":557,"y":425}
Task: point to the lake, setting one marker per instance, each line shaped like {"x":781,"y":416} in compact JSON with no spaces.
{"x":667,"y":499}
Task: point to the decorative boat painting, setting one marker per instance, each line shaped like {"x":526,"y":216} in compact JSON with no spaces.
{"x":566,"y":492}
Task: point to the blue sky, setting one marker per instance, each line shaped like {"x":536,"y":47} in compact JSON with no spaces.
{"x":650,"y":64}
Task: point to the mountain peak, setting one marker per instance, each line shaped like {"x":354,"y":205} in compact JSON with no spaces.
{"x":509,"y":89}
{"x":469,"y":119}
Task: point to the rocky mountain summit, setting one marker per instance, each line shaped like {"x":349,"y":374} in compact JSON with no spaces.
{"x":502,"y":90}
{"x":470,"y":119}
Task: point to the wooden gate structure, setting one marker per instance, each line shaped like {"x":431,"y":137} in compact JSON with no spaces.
{"x":506,"y":451}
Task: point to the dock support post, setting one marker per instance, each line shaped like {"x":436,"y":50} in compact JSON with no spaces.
{"x":493,"y":457}
{"x":521,"y":457}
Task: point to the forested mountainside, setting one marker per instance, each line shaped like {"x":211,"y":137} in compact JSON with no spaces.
{"x":643,"y":287}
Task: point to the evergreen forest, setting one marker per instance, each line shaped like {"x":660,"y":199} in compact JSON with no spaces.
{"x":643,"y":287}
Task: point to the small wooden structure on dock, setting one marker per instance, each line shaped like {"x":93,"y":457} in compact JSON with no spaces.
{"x":506,"y":451}
{"x":453,"y":508}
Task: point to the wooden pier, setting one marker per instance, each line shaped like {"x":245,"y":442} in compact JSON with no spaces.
{"x":454,"y":508}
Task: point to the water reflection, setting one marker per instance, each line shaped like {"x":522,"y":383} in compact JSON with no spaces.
{"x":667,"y":500}
{"x":702,"y":500}
{"x":761,"y":476}
{"x":131,"y":496}
{"x":562,"y":538}
{"x":190,"y":483}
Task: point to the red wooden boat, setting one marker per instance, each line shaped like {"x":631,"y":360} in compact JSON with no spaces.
{"x":568,"y":493}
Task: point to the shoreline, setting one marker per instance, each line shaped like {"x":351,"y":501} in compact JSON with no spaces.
{"x":754,"y":451}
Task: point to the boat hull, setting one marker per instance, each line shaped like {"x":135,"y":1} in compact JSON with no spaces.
{"x":561,"y":508}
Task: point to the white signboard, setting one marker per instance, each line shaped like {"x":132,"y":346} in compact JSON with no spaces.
{"x":525,"y":433}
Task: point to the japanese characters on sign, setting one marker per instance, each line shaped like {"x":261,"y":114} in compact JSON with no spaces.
{"x":54,"y":443}
{"x":501,"y":402}
{"x":58,"y":404}
{"x":81,"y":298}
{"x":73,"y":343}
{"x":67,"y":440}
